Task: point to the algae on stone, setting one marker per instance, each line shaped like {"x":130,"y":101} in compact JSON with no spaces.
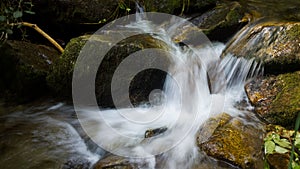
{"x":274,"y":44}
{"x":234,"y":142}
{"x":276,"y":98}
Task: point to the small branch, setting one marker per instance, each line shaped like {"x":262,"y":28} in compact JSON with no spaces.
{"x":40,"y":31}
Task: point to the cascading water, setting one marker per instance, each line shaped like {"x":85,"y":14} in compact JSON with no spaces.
{"x":198,"y":86}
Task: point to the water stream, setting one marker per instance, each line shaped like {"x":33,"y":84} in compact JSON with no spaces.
{"x":200,"y":85}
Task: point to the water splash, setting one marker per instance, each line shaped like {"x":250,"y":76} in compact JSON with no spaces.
{"x":199,"y":85}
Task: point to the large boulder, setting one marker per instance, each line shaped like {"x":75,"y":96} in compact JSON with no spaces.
{"x":275,"y":44}
{"x":141,"y":84}
{"x":232,"y":140}
{"x":23,"y":70}
{"x":276,"y":98}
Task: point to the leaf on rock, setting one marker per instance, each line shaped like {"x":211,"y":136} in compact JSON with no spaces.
{"x":283,"y":143}
{"x":280,"y":150}
{"x":269,"y":147}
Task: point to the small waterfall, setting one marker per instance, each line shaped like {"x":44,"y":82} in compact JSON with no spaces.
{"x":199,"y":84}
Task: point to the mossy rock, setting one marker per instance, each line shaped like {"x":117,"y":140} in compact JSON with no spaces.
{"x":115,"y":162}
{"x":178,"y":6}
{"x":221,"y":22}
{"x":60,"y":77}
{"x":276,"y":98}
{"x":23,"y":68}
{"x":233,"y":141}
{"x":274,"y":44}
{"x":141,"y":85}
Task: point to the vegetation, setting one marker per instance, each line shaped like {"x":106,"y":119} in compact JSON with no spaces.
{"x":280,"y":142}
{"x":11,"y":13}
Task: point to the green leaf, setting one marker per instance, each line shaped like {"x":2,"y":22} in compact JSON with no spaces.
{"x":121,"y":5}
{"x":283,"y":143}
{"x":297,"y":143}
{"x":2,"y":18}
{"x":295,"y":165}
{"x":30,"y":12}
{"x":6,"y":10}
{"x":17,"y":14}
{"x":280,"y":150}
{"x":275,"y":136}
{"x":9,"y":31}
{"x":268,"y":137}
{"x":269,"y":147}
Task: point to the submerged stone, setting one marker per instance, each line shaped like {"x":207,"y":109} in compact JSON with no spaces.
{"x":155,"y":132}
{"x":275,"y":44}
{"x":276,"y":98}
{"x":233,"y":141}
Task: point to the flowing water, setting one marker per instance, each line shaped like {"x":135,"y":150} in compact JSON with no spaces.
{"x":199,"y":85}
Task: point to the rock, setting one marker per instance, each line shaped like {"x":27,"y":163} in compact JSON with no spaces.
{"x":276,"y":98}
{"x":141,"y":84}
{"x":178,"y":6}
{"x":275,"y":44}
{"x":117,"y":162}
{"x":74,"y":11}
{"x":278,"y":161}
{"x":23,"y":70}
{"x":155,"y":132}
{"x":222,"y":22}
{"x":77,"y":164}
{"x":233,"y":141}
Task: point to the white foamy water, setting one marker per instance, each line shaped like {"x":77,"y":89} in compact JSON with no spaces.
{"x":189,"y":99}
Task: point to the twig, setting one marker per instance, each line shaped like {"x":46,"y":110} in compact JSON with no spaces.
{"x":40,"y":31}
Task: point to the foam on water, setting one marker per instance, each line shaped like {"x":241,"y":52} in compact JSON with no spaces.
{"x":199,"y":85}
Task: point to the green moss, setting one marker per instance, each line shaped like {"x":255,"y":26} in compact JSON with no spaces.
{"x":233,"y":142}
{"x":294,"y":32}
{"x":285,"y":107}
{"x":60,"y":78}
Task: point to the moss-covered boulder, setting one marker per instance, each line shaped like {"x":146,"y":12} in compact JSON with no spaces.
{"x":275,"y":44}
{"x":232,"y":140}
{"x":23,"y":70}
{"x":141,"y":84}
{"x":178,"y":6}
{"x":221,"y":22}
{"x":276,"y":98}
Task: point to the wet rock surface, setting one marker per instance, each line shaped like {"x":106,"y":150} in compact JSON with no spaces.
{"x":276,"y":98}
{"x":141,"y":84}
{"x":117,"y":162}
{"x":77,"y":164}
{"x":230,"y":139}
{"x":23,"y":70}
{"x":275,"y":44}
{"x":155,"y":132}
{"x":222,"y":22}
